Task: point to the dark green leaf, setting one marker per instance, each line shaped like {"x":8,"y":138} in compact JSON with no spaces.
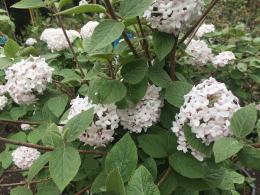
{"x":21,"y":190}
{"x":169,"y":185}
{"x":47,"y":188}
{"x":159,"y":77}
{"x":90,"y":8}
{"x":115,"y":184}
{"x":250,"y":157}
{"x":99,"y":183}
{"x":58,"y":104}
{"x":151,"y":166}
{"x":28,"y":4}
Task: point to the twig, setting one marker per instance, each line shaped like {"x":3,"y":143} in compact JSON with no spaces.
{"x":145,"y":43}
{"x":256,"y":145}
{"x":46,"y":148}
{"x":173,"y":58}
{"x":19,"y":170}
{"x":124,"y":35}
{"x":25,"y":122}
{"x":164,"y":176}
{"x":23,"y":183}
{"x":110,"y":69}
{"x":83,"y":190}
{"x":203,"y":16}
{"x":68,"y":40}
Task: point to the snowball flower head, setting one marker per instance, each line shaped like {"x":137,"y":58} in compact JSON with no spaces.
{"x":171,"y":15}
{"x":28,"y":78}
{"x":23,"y":157}
{"x":26,"y":127}
{"x":223,"y":59}
{"x":30,"y":41}
{"x":2,"y":89}
{"x":106,"y":120}
{"x":200,"y":52}
{"x":145,"y":113}
{"x":204,"y":29}
{"x":207,"y":110}
{"x":88,"y":29}
{"x":3,"y":102}
{"x":56,"y":40}
{"x":83,"y":2}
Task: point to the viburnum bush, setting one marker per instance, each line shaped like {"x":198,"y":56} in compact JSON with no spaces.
{"x":143,"y":98}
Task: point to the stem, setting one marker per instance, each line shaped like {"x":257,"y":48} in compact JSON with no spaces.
{"x":25,"y":122}
{"x":256,"y":145}
{"x":46,"y":148}
{"x":145,"y":43}
{"x":173,"y":59}
{"x":59,"y":19}
{"x":203,"y":16}
{"x":164,"y":176}
{"x":83,"y":190}
{"x":23,"y":183}
{"x":124,"y":35}
{"x":31,"y":16}
{"x":19,"y":170}
{"x":110,"y":69}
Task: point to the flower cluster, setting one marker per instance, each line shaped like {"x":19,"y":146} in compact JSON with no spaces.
{"x":26,"y":127}
{"x":145,"y":113}
{"x":171,"y":15}
{"x":88,"y":29}
{"x":223,"y":59}
{"x":30,"y":41}
{"x":83,"y":2}
{"x":56,"y":40}
{"x":101,"y":130}
{"x":207,"y":110}
{"x":27,"y":78}
{"x":204,"y":29}
{"x":23,"y":157}
{"x":3,"y":102}
{"x":200,"y":52}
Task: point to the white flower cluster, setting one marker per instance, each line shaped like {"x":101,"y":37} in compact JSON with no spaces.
{"x":171,"y":15}
{"x":223,"y":59}
{"x":3,"y":102}
{"x":23,"y":157}
{"x":144,"y":114}
{"x":88,"y":29}
{"x":26,"y":127}
{"x":200,"y":52}
{"x":56,"y":40}
{"x":83,"y":2}
{"x":28,"y":78}
{"x":207,"y":109}
{"x":204,"y":29}
{"x":106,"y":120}
{"x":30,"y":41}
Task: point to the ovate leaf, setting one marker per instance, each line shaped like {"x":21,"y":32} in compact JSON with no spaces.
{"x":11,"y":48}
{"x":21,"y":190}
{"x":159,"y":77}
{"x":57,"y":104}
{"x":89,"y":8}
{"x":115,"y":184}
{"x":28,"y":4}
{"x":250,"y":157}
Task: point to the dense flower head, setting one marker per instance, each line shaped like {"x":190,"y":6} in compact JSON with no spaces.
{"x":26,"y":127}
{"x":30,"y":41}
{"x":106,"y":120}
{"x":223,"y":58}
{"x":88,"y":29}
{"x":3,"y":102}
{"x":23,"y":157}
{"x":28,"y":78}
{"x":56,"y":40}
{"x":207,"y":110}
{"x":145,"y":113}
{"x":200,"y":52}
{"x":204,"y":29}
{"x":171,"y":15}
{"x":2,"y":89}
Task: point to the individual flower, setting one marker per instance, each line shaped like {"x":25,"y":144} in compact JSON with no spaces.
{"x":30,"y":41}
{"x":26,"y":127}
{"x":200,"y":52}
{"x":223,"y":59}
{"x":145,"y":113}
{"x":23,"y":157}
{"x":3,"y":102}
{"x":258,"y":107}
{"x":28,"y":78}
{"x":88,"y":29}
{"x":171,"y":15}
{"x":106,"y":120}
{"x":204,"y":29}
{"x":83,"y":2}
{"x":207,"y":110}
{"x":56,"y":40}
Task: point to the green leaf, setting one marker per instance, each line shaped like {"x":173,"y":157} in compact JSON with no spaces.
{"x":5,"y":62}
{"x":243,"y":121}
{"x":169,"y":185}
{"x":134,"y":71}
{"x":106,"y":91}
{"x":47,"y":188}
{"x":21,"y":190}
{"x":132,"y":8}
{"x":176,"y":91}
{"x":78,"y":125}
{"x":63,"y":3}
{"x":105,"y":33}
{"x":151,"y":166}
{"x":6,"y":158}
{"x":141,"y":183}
{"x":250,"y":157}
{"x":231,"y":145}
{"x":137,"y":91}
{"x":159,"y":77}
{"x":38,"y":165}
{"x":163,"y":44}
{"x":115,"y":184}
{"x":11,"y":48}
{"x":99,"y":183}
{"x":57,"y":104}
{"x":230,"y":178}
{"x":28,"y":4}
{"x":158,"y":145}
{"x":90,"y":8}
{"x":258,"y":129}
{"x":123,"y":156}
{"x":64,"y":165}
{"x":186,"y":165}
{"x":18,"y":112}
